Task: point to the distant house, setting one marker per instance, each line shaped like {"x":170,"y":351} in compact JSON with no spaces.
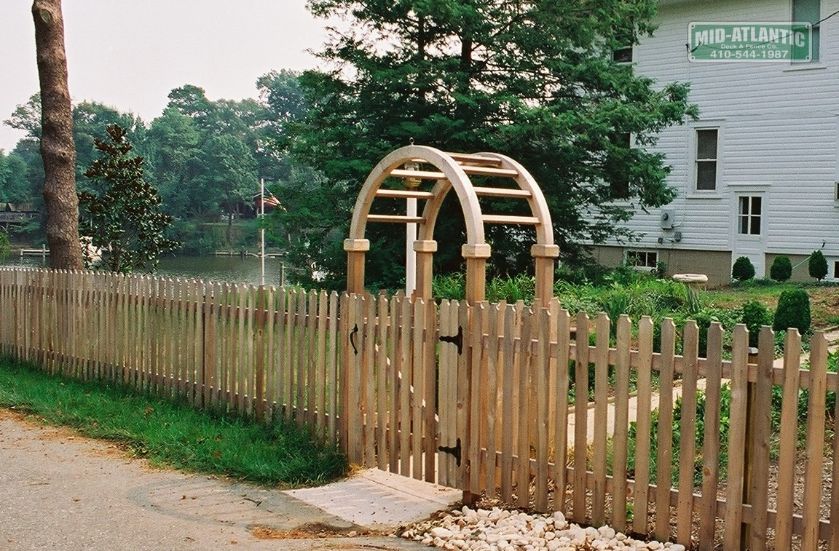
{"x":17,"y":213}
{"x":758,"y":174}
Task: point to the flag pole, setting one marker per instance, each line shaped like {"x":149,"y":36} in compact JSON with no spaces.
{"x":262,"y":231}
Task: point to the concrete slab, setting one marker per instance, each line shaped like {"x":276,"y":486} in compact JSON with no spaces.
{"x":379,"y":500}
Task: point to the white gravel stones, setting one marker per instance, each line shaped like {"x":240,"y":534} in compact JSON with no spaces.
{"x":503,"y":530}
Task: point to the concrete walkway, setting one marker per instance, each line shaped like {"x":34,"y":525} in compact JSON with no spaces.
{"x":61,"y":491}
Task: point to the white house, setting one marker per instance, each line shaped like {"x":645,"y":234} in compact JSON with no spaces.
{"x":758,"y":174}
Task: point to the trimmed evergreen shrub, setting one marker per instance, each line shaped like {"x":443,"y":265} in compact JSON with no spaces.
{"x":818,"y":265}
{"x":743,"y":269}
{"x":793,"y":311}
{"x":755,"y":316}
{"x":781,"y":269}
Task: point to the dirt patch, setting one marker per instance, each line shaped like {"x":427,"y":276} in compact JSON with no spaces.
{"x":316,"y":530}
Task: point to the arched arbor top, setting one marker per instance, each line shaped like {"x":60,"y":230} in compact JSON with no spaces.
{"x":415,"y":164}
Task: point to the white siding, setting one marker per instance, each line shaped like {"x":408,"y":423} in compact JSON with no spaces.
{"x":779,"y":134}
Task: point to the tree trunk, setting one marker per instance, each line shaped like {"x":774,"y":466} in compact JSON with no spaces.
{"x":57,"y":148}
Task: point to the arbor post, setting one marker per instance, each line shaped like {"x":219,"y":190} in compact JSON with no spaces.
{"x":425,"y":249}
{"x":476,"y":271}
{"x":356,"y":252}
{"x":544,"y":257}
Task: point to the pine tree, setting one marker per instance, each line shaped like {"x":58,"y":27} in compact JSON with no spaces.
{"x":122,"y":216}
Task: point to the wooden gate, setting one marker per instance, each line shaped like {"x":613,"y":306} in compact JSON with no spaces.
{"x":407,"y":386}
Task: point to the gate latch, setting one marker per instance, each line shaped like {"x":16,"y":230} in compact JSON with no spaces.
{"x":453,"y":450}
{"x":456,"y":340}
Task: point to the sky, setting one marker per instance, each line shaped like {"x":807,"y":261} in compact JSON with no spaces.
{"x":130,"y":54}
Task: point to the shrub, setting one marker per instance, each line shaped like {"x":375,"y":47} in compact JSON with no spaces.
{"x":781,"y":269}
{"x":755,"y":315}
{"x":449,"y":286}
{"x":660,"y":269}
{"x":818,"y":265}
{"x":511,"y":289}
{"x":743,"y":269}
{"x":793,"y":311}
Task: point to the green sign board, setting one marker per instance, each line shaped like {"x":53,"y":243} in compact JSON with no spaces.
{"x":750,"y":42}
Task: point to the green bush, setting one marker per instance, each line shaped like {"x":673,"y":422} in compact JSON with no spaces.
{"x":817,"y":265}
{"x":781,"y":269}
{"x":755,"y":315}
{"x":793,"y":311}
{"x":743,"y":269}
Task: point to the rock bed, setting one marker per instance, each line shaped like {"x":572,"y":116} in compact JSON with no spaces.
{"x":502,"y":530}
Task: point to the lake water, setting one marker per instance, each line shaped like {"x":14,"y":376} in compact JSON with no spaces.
{"x":218,"y":268}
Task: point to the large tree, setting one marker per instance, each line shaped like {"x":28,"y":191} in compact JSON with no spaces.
{"x":535,"y":79}
{"x":57,"y":149}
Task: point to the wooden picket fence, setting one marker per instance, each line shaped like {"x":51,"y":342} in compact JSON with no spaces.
{"x":259,"y":351}
{"x":483,"y":398}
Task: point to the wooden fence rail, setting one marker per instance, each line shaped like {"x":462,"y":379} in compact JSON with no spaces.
{"x":537,"y":408}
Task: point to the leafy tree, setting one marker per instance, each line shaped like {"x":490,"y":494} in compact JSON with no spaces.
{"x":27,"y":117}
{"x":817,"y":266}
{"x":174,"y":144}
{"x":191,"y":100}
{"x":230,"y":176}
{"x":122,"y":214}
{"x":535,"y":80}
{"x":781,"y":269}
{"x":14,"y":187}
{"x":90,"y":119}
{"x":57,"y":148}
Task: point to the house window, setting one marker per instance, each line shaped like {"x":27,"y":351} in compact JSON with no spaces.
{"x":642,"y":259}
{"x":809,"y":11}
{"x":622,"y":55}
{"x":750,"y":215}
{"x":836,"y":270}
{"x":706,"y":159}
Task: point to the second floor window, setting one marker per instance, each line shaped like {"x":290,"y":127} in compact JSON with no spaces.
{"x":809,"y":11}
{"x":706,"y":159}
{"x":622,"y":55}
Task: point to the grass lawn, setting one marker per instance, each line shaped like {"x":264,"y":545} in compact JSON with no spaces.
{"x":824,"y":298}
{"x":171,"y":434}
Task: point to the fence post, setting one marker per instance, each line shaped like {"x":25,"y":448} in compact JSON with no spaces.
{"x":746,"y":531}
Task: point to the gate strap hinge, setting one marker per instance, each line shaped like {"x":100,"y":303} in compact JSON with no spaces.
{"x":457,"y":340}
{"x":453,"y":450}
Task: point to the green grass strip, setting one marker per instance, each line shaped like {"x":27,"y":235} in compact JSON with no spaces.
{"x":169,"y":433}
